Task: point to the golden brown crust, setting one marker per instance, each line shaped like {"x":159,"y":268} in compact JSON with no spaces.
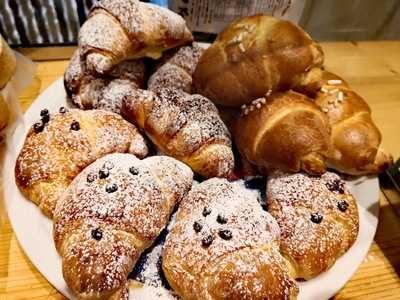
{"x":246,"y":266}
{"x":355,"y":137}
{"x":184,"y":126}
{"x":117,"y":30}
{"x":311,"y":245}
{"x":252,"y":56}
{"x":284,"y":130}
{"x":8,"y":63}
{"x":4,"y":113}
{"x":101,"y":232}
{"x":49,"y":160}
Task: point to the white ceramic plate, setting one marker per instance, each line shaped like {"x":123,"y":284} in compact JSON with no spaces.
{"x":34,"y":231}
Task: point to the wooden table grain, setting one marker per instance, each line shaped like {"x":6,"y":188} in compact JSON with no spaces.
{"x":373,"y":70}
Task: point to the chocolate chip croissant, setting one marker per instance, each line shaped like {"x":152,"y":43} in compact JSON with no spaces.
{"x":117,"y":30}
{"x":318,"y":218}
{"x":112,"y":212}
{"x":225,"y":246}
{"x":187,"y":127}
{"x":58,"y":147}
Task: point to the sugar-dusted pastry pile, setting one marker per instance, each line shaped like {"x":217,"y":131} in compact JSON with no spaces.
{"x":256,"y":102}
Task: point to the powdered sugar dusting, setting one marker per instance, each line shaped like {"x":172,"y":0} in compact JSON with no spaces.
{"x":102,"y":91}
{"x":250,"y":225}
{"x":121,"y":29}
{"x":250,"y":228}
{"x":129,"y":216}
{"x":175,"y":68}
{"x":179,"y":123}
{"x":314,"y":246}
{"x":50,"y":159}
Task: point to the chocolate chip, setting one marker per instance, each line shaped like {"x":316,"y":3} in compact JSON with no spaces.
{"x":38,"y":127}
{"x":316,"y":218}
{"x":197,"y":226}
{"x":62,"y":110}
{"x":257,"y":183}
{"x":206,"y":211}
{"x":46,"y":119}
{"x":108,"y":165}
{"x":91,"y":177}
{"x":335,"y":186}
{"x":343,"y":206}
{"x":264,"y":206}
{"x":44,"y":112}
{"x":207,"y":240}
{"x":97,"y":234}
{"x":111,"y":188}
{"x":133,"y":171}
{"x":221,"y":219}
{"x":75,"y":125}
{"x":104,"y":173}
{"x":225,"y":234}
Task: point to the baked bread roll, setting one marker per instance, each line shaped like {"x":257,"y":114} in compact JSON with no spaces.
{"x":255,"y":55}
{"x":57,"y":148}
{"x":355,"y":137}
{"x":90,"y":91}
{"x":117,"y":30}
{"x":110,"y":214}
{"x":224,"y":246}
{"x":175,"y":69}
{"x":184,"y":126}
{"x":8,"y":63}
{"x":317,"y":216}
{"x":284,"y":131}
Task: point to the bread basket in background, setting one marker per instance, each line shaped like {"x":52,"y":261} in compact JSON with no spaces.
{"x":16,"y":73}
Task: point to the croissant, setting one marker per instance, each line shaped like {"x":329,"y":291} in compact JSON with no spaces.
{"x":318,"y":218}
{"x":255,"y":55}
{"x":4,"y":114}
{"x":175,"y":69}
{"x":8,"y":63}
{"x":184,"y":126}
{"x":117,"y":30}
{"x":57,"y":148}
{"x":89,"y":91}
{"x":355,"y":137}
{"x":112,"y":211}
{"x":284,"y":131}
{"x":225,"y":246}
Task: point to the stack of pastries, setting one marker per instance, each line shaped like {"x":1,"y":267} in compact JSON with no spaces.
{"x":140,"y":84}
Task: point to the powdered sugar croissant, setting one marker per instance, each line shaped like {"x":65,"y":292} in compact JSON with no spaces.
{"x":88,"y":90}
{"x":224,"y":246}
{"x":57,"y":148}
{"x":112,"y":212}
{"x":187,"y":127}
{"x":175,"y":69}
{"x":318,"y":218}
{"x":117,"y":30}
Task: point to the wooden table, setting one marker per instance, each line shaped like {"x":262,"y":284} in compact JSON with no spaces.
{"x":373,"y":69}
